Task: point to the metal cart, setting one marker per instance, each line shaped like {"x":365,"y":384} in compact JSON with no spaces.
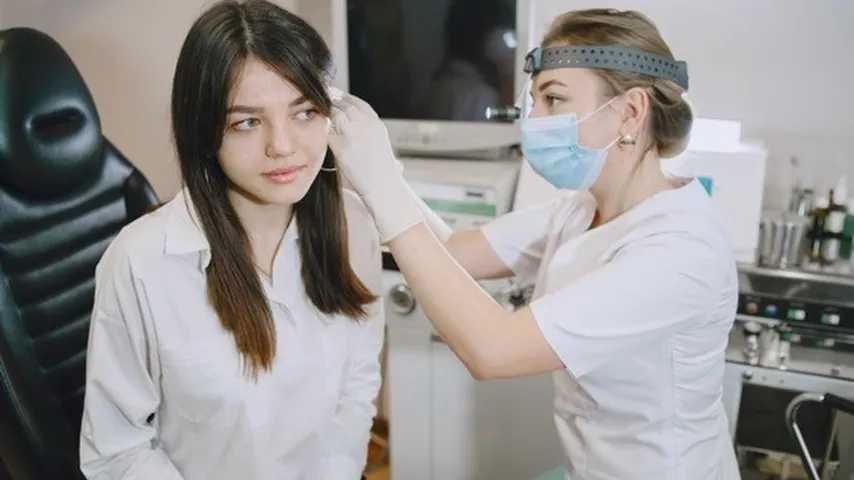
{"x":833,"y":402}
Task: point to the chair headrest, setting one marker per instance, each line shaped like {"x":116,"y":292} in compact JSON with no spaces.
{"x":50,"y":133}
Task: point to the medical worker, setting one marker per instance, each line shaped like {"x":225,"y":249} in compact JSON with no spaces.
{"x":635,"y":281}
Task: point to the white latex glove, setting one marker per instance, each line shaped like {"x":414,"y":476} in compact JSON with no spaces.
{"x":438,"y":226}
{"x":364,"y":155}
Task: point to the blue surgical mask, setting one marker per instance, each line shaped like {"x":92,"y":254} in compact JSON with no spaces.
{"x":550,"y":144}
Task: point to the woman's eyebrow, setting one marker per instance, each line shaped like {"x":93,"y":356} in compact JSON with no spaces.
{"x":244,"y":109}
{"x":546,"y":85}
{"x":298,"y":101}
{"x":253,"y":109}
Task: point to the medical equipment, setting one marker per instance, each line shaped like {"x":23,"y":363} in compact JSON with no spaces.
{"x":782,"y":240}
{"x":444,"y":424}
{"x":830,"y":400}
{"x":805,"y":325}
{"x":616,"y":58}
{"x":464,"y":193}
{"x":432,"y":98}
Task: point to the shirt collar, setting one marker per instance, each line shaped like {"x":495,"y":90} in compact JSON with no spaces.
{"x":184,"y":233}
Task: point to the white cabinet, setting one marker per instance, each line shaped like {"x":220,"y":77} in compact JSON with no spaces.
{"x":445,"y":425}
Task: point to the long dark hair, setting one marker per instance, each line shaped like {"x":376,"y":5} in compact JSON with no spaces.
{"x":211,"y":58}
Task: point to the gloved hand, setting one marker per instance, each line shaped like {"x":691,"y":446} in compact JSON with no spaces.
{"x":364,"y":155}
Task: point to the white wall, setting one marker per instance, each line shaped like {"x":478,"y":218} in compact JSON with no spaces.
{"x":324,"y":16}
{"x":126,"y":51}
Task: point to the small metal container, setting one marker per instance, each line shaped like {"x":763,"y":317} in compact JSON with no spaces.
{"x":782,"y":240}
{"x":772,"y":234}
{"x":794,"y":232}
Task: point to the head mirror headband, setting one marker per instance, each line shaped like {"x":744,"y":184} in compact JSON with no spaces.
{"x":621,"y":59}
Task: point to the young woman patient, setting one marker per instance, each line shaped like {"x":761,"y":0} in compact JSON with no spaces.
{"x":235,"y":333}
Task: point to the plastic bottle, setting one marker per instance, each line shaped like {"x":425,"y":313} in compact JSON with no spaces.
{"x":818,"y":214}
{"x":834,"y":223}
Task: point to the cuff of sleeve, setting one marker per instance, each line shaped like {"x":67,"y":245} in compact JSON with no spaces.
{"x":340,"y":467}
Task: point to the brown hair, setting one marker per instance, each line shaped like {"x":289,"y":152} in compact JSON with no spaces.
{"x":212,"y":55}
{"x":670,"y":115}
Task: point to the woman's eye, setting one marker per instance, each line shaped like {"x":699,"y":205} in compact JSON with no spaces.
{"x":306,"y":115}
{"x":246,"y":124}
{"x":552,"y":100}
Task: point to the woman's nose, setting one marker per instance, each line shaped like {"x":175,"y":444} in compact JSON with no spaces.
{"x":280,"y":141}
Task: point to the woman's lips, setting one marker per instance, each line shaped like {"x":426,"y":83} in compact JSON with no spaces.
{"x":284,"y":175}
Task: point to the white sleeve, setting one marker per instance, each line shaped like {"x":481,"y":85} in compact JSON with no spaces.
{"x":649,"y":289}
{"x":118,"y":438}
{"x":519,"y":238}
{"x":346,"y":440}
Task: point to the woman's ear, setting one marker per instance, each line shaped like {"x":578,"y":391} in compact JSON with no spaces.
{"x":328,"y":164}
{"x":635,"y":110}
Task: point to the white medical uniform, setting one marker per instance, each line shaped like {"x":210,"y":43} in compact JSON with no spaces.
{"x":639,"y":311}
{"x":166,"y":393}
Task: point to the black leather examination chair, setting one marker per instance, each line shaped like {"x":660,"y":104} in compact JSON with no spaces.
{"x":65,"y":192}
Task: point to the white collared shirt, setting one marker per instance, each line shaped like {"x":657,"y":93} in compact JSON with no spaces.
{"x":639,"y":311}
{"x":166,"y":394}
